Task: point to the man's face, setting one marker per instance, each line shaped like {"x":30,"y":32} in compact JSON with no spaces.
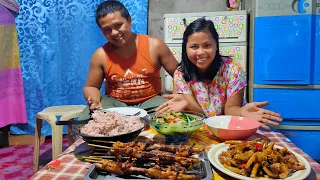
{"x":116,"y":28}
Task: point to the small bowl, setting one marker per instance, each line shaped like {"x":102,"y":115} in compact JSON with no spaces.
{"x":176,"y":132}
{"x":232,"y":127}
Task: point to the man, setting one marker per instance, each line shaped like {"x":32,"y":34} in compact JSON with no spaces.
{"x":130,"y":63}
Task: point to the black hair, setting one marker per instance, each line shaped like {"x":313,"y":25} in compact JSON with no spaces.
{"x":109,"y":7}
{"x":189,"y":69}
{"x":228,"y":3}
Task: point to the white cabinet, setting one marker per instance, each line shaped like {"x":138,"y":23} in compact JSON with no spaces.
{"x":231,"y":25}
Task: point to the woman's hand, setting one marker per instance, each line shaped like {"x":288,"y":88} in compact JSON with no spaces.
{"x":253,"y":110}
{"x":93,"y":104}
{"x":175,"y":103}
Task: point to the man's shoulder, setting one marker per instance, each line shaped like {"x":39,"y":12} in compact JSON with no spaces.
{"x":99,"y":56}
{"x":154,"y":39}
{"x":100,"y":51}
{"x":155,"y":42}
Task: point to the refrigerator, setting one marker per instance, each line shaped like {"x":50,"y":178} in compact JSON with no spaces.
{"x":316,"y":38}
{"x":231,"y":26}
{"x":284,"y":66}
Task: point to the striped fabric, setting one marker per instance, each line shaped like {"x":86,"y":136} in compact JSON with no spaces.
{"x":12,"y":102}
{"x":10,"y":4}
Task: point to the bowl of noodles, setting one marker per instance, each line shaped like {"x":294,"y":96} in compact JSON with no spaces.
{"x":176,"y":126}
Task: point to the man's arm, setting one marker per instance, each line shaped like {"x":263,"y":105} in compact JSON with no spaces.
{"x":95,"y":77}
{"x":164,"y":55}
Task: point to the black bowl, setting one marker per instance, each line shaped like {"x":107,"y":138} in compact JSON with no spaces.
{"x":121,"y":137}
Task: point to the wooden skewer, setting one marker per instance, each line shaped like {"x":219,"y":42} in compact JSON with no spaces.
{"x":101,"y":157}
{"x":108,"y":142}
{"x":107,"y":157}
{"x":105,"y":147}
{"x":92,"y":157}
{"x":97,"y":149}
{"x":99,"y":153}
{"x":92,"y":161}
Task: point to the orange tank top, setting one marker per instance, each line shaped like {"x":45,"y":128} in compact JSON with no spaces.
{"x":132,"y":80}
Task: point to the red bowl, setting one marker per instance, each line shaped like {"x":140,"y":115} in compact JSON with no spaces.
{"x":232,"y":127}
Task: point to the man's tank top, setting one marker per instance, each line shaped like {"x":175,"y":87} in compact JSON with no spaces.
{"x":132,"y":80}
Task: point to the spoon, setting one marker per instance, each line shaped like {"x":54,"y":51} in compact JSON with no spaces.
{"x":135,"y":114}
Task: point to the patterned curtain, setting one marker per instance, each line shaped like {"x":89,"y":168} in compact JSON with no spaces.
{"x":57,"y":39}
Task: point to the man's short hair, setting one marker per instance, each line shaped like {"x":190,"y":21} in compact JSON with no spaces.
{"x":109,"y":7}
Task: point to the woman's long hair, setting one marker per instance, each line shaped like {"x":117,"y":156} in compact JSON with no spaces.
{"x":186,"y":66}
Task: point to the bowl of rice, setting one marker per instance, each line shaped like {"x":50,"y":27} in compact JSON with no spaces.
{"x":111,"y":126}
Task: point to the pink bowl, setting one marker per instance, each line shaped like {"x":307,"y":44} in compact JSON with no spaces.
{"x":232,"y":127}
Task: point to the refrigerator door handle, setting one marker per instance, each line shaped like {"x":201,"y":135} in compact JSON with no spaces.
{"x":294,"y":6}
{"x":303,"y":5}
{"x":301,"y":8}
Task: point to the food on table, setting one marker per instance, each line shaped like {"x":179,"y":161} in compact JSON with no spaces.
{"x":154,"y":160}
{"x":180,"y":151}
{"x":127,"y":168}
{"x":259,"y":158}
{"x":111,"y":124}
{"x":173,"y":123}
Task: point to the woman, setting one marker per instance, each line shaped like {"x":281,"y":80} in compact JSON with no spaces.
{"x":211,"y":84}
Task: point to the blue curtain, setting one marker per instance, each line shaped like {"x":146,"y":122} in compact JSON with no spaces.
{"x":57,"y":39}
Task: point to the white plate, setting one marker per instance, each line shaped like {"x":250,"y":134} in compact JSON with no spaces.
{"x":216,"y":150}
{"x":127,"y":110}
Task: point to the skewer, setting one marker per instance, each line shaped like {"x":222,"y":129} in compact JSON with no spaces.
{"x":97,"y":149}
{"x":92,"y":157}
{"x":102,"y":157}
{"x":105,"y":147}
{"x":143,"y":158}
{"x":174,"y":147}
{"x":107,"y":142}
{"x":92,"y":161}
{"x":97,"y":157}
{"x":98,"y":153}
{"x":170,"y":148}
{"x":155,"y":171}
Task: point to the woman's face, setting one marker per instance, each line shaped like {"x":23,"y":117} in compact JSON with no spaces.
{"x":201,"y":50}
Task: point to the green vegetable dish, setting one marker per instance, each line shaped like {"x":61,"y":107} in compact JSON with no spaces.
{"x":176,"y":124}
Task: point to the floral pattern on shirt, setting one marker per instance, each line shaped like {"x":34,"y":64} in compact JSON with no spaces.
{"x":211,"y":97}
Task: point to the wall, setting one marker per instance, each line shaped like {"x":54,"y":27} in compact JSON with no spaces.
{"x":157,"y":8}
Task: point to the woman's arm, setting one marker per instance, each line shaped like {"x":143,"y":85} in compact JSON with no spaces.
{"x":192,"y":104}
{"x":234,"y":103}
{"x":252,"y":110}
{"x":179,"y":102}
{"x":236,"y":83}
{"x":181,"y":99}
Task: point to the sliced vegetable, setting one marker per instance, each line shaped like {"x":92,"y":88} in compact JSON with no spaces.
{"x":174,"y":124}
{"x":259,"y":146}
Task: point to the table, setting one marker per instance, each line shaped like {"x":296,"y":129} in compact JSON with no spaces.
{"x":73,"y":169}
